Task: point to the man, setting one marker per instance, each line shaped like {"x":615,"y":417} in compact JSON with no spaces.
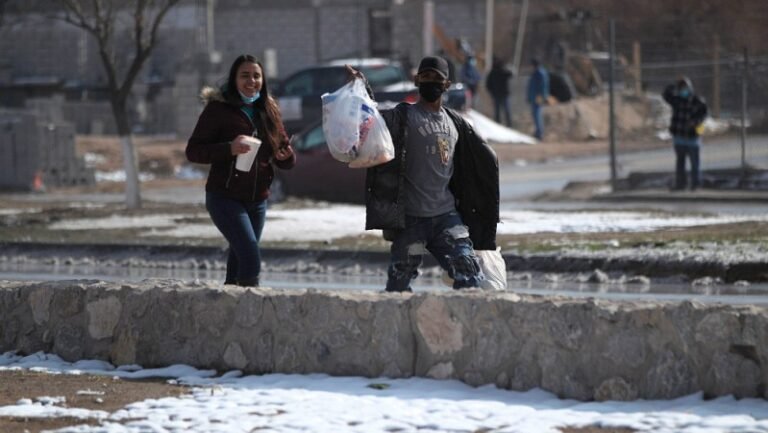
{"x":497,"y":84}
{"x":440,"y":193}
{"x":538,"y":93}
{"x":470,"y":76}
{"x":688,"y":113}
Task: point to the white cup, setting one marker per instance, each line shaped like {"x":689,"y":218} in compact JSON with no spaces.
{"x":245,"y":160}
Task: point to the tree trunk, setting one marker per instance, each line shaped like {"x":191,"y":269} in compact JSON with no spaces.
{"x":130,"y":157}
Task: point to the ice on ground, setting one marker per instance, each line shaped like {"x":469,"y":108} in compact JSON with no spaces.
{"x":494,"y":132}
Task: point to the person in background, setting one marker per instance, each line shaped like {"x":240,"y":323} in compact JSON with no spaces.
{"x":688,"y":113}
{"x":441,"y":191}
{"x":538,"y":94}
{"x":497,"y":84}
{"x":237,"y":200}
{"x":470,"y":76}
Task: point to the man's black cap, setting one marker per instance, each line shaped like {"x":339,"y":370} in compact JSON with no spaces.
{"x":434,"y":63}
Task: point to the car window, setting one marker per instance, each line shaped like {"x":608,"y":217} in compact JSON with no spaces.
{"x":298,"y":85}
{"x":311,"y":140}
{"x":314,"y":82}
{"x":329,"y":80}
{"x":384,"y":75}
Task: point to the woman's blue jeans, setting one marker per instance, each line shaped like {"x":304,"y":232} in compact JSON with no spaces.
{"x":241,"y":223}
{"x":447,"y":238}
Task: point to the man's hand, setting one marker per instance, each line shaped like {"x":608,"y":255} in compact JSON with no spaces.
{"x":353,"y":73}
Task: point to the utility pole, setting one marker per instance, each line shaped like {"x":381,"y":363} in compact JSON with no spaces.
{"x":716,"y":78}
{"x":429,"y":27}
{"x":519,"y":38}
{"x":744,"y":79}
{"x":489,"y":9}
{"x":612,"y":105}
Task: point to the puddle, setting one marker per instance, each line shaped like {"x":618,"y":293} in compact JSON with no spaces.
{"x":726,"y":293}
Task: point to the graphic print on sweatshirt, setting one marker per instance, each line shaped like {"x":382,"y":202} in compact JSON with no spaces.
{"x":431,"y":142}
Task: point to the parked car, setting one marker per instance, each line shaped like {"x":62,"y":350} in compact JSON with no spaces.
{"x":316,"y":174}
{"x":299,"y":94}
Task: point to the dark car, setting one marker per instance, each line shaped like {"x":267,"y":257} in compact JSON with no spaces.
{"x":299,"y":94}
{"x":316,"y":174}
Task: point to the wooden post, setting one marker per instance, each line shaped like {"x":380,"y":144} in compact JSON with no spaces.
{"x":716,"y":78}
{"x":637,"y":68}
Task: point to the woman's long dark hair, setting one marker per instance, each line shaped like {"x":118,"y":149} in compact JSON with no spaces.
{"x":265,"y":106}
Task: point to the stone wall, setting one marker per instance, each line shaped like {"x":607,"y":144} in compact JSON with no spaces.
{"x":576,"y":348}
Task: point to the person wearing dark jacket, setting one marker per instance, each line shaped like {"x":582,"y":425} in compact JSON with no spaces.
{"x":688,"y":113}
{"x":441,"y":191}
{"x":538,"y":95}
{"x":497,"y":84}
{"x":237,"y":200}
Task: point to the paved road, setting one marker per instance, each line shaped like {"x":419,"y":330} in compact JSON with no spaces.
{"x":518,"y":183}
{"x":722,"y":152}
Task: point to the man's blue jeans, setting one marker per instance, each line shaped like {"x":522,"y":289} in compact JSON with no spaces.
{"x":692,"y":154}
{"x":447,"y":238}
{"x":499,"y":105}
{"x":241,"y":223}
{"x":538,"y":121}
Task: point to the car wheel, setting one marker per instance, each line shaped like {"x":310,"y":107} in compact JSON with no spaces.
{"x":277,"y":191}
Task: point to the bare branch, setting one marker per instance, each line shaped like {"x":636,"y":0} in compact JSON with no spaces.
{"x":156,"y":24}
{"x":143,"y":49}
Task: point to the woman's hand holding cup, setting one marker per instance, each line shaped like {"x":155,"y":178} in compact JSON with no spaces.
{"x":241,"y":144}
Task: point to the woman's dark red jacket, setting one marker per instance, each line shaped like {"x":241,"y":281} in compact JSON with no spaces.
{"x":220,"y":122}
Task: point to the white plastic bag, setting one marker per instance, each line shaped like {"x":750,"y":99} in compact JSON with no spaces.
{"x":495,"y":269}
{"x":354,"y":130}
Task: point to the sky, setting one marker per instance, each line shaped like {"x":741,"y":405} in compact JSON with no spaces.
{"x":318,"y":403}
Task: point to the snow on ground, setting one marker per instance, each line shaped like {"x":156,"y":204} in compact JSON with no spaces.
{"x":319,"y":403}
{"x":336,"y":221}
{"x":19,"y":211}
{"x":496,"y":132}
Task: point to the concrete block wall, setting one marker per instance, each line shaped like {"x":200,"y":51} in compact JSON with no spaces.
{"x":31,"y":144}
{"x":576,"y":348}
{"x":20,"y":136}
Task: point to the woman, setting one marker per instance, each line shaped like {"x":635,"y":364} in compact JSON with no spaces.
{"x":237,"y":200}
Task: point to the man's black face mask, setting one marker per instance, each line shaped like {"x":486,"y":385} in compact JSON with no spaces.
{"x":431,"y":90}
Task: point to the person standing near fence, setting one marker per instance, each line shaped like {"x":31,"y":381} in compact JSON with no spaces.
{"x":497,"y":84}
{"x":538,"y":94}
{"x":236,"y":199}
{"x":688,"y":113}
{"x":441,"y":192}
{"x":470,"y":76}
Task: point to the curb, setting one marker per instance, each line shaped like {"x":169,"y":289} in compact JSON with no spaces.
{"x":728,"y":272}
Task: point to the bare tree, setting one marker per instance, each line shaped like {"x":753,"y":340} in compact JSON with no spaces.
{"x":100,"y":19}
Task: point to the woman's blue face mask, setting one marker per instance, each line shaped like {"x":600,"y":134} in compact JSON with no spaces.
{"x":685,"y":92}
{"x":249,"y":99}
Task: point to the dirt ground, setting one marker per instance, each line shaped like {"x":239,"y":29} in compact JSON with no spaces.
{"x":15,"y":385}
{"x":117,"y":393}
